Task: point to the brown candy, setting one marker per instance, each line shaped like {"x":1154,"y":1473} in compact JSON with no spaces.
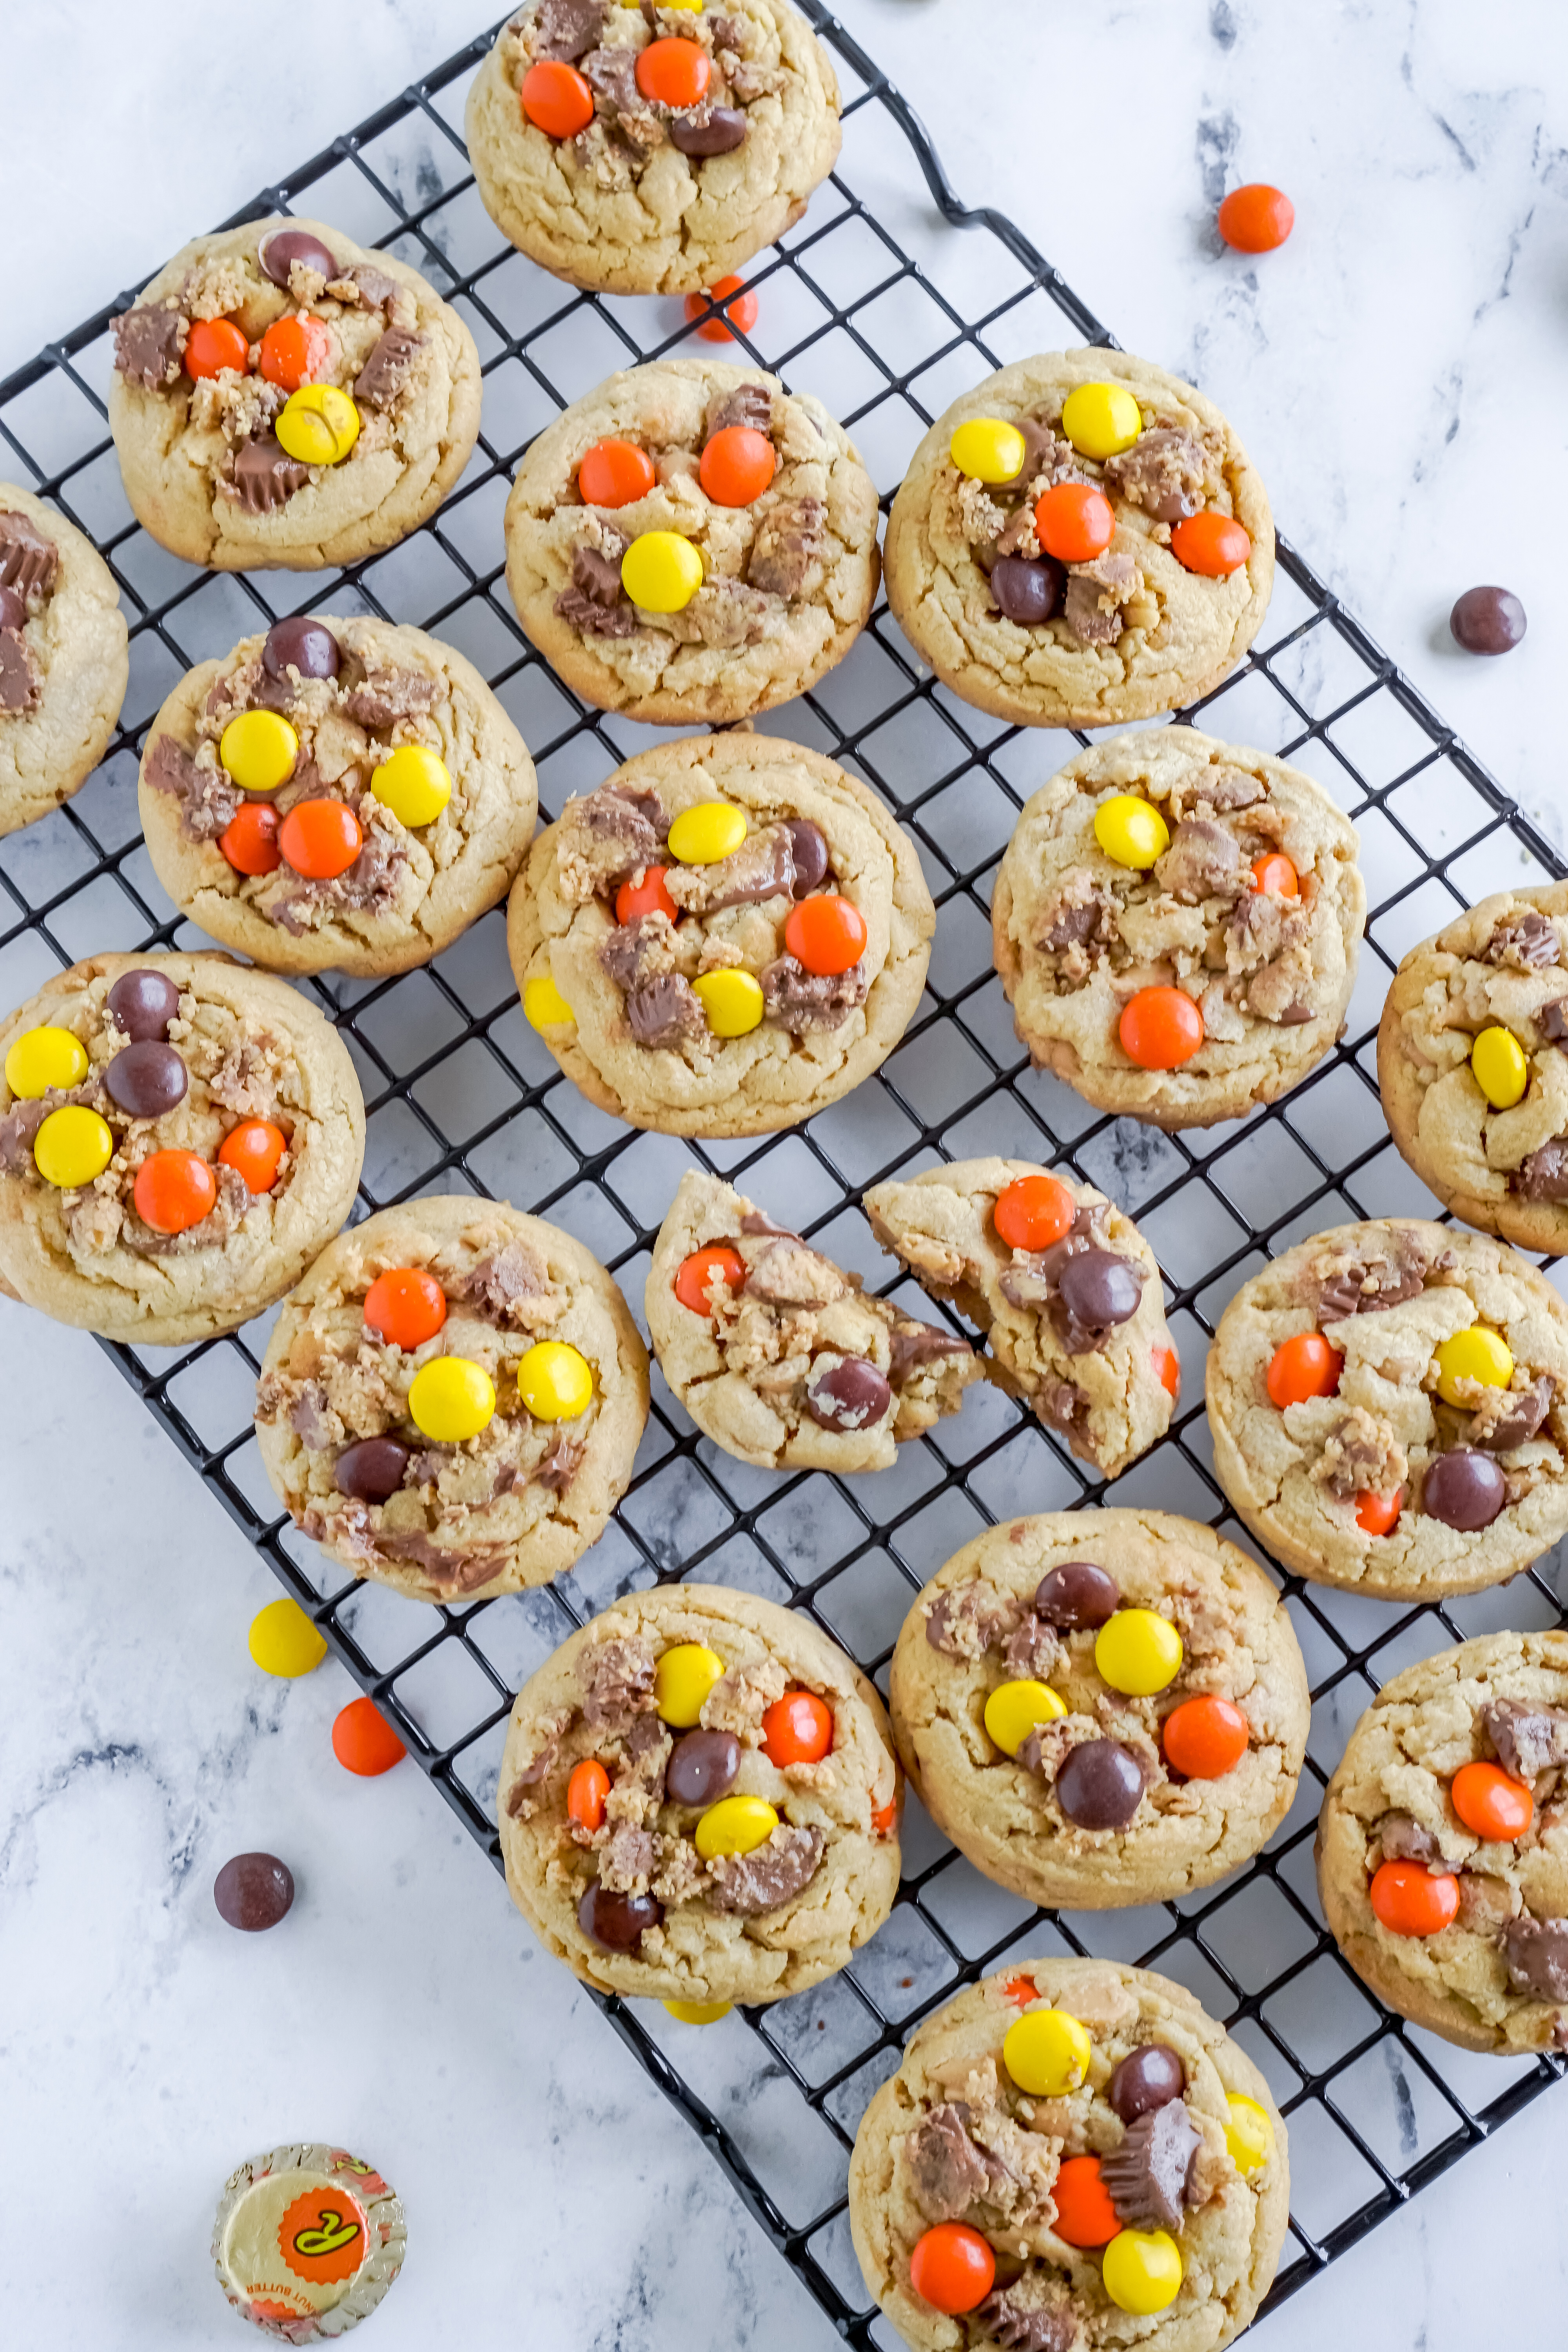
{"x":144,"y":1004}
{"x":1487,"y":621}
{"x":1027,"y":589}
{"x":724,"y":131}
{"x":372,"y":1470}
{"x":1146,"y":2079}
{"x":617,"y":1921}
{"x":1077,"y":1594}
{"x":851,"y":1395}
{"x":146,"y":1078}
{"x":1100,"y":1785}
{"x":1099,"y":1290}
{"x":1463,"y":1489}
{"x":308,"y":647}
{"x":277,"y":254}
{"x":254,"y":1891}
{"x":702,"y":1765}
{"x":810,"y":847}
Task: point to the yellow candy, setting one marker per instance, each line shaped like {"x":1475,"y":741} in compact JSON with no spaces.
{"x":1502,"y":1074}
{"x":681,"y":1682}
{"x":1477,"y":1354}
{"x":661,"y":572}
{"x":72,"y":1147}
{"x":1249,"y":2135}
{"x":1131,"y":830}
{"x":1101,"y":419}
{"x":554,"y":1381}
{"x":703,"y":835}
{"x":42,"y":1058}
{"x":696,"y":2013}
{"x":735,"y":1825}
{"x":413,"y":784}
{"x":731,"y":1000}
{"x":284,"y":1642}
{"x":451,"y":1398}
{"x":1014,"y":1710}
{"x":318,"y":424}
{"x":1138,"y":1651}
{"x":543,"y":1003}
{"x":1143,"y":2270}
{"x":259,"y":749}
{"x":1046,"y":2052}
{"x":988,"y":450}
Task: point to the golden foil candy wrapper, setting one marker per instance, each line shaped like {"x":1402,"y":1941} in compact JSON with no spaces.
{"x":307,"y":2240}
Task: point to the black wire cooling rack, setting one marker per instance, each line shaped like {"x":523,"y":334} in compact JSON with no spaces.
{"x":461,"y":1095}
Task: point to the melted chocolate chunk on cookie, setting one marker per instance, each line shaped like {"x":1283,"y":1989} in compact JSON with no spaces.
{"x":13,"y":611}
{"x":149,"y":345}
{"x":800,"y":1001}
{"x":389,"y":369}
{"x":1528,"y":942}
{"x":914,"y":1344}
{"x":1527,"y":1739}
{"x":1147,"y":2175}
{"x":747,"y":1885}
{"x":29,"y":562}
{"x":1544,"y":1175}
{"x":1367,"y":1286}
{"x":1536,"y":1953}
{"x":666,"y":1012}
{"x":1553,"y":1022}
{"x":265,"y":476}
{"x":21,"y":680}
{"x":809,"y":847}
{"x":749,"y":404}
{"x":1404,"y":1839}
{"x":1163,"y":472}
{"x":789,"y":541}
{"x":1017,"y":2327}
{"x":568,"y":28}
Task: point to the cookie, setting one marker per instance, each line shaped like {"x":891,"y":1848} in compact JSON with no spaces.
{"x":1439,"y":1859}
{"x":1389,"y":1408}
{"x":658,"y":933}
{"x":63,"y":660}
{"x":1069,"y":1295}
{"x":651,"y":151}
{"x":1176,"y":923}
{"x":452,"y":1400}
{"x":692,"y":544}
{"x":698,"y":1801}
{"x":1071,"y":2158}
{"x":179,"y":1136}
{"x":776,"y":1354}
{"x":282,"y":396}
{"x":1472,"y":1059}
{"x":1102,"y":1707}
{"x":418,"y":793}
{"x":1158,"y":560}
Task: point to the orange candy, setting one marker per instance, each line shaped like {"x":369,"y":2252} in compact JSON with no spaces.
{"x":174,"y":1190}
{"x":1409,"y":1901}
{"x":1084,"y":2214}
{"x":702,"y":1269}
{"x":586,"y":1791}
{"x":1257,"y":219}
{"x":321,"y":839}
{"x":1303,"y":1365}
{"x":742,"y":314}
{"x":827,"y":934}
{"x":555,"y":99}
{"x":1033,"y":1212}
{"x":737,"y":465}
{"x":1074,"y":521}
{"x":405,"y":1307}
{"x":250,"y":842}
{"x":797,"y":1729}
{"x":212,"y":346}
{"x":1375,"y":1514}
{"x":1490,"y":1803}
{"x":1210,"y":543}
{"x":1021,"y":1989}
{"x":1276,"y":875}
{"x":295,"y":351}
{"x":363,"y":1742}
{"x":1205,"y":1738}
{"x":1160,"y":1028}
{"x":1168,"y":1370}
{"x":613,"y":473}
{"x":674,"y":73}
{"x":648,"y":896}
{"x":255,"y":1147}
{"x":884,"y":1817}
{"x":951,"y":2267}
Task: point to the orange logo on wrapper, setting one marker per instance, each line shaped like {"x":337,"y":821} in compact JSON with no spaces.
{"x":321,"y":2236}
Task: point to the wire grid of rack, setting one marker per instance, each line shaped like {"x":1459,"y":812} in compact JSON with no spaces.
{"x":461,"y":1095}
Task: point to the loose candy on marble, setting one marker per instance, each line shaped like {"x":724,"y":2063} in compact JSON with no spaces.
{"x":1500,"y":1069}
{"x":254,"y":1149}
{"x":797,"y":1729}
{"x":826,"y":934}
{"x":73,"y":1146}
{"x":615,"y":473}
{"x":1027,"y":589}
{"x":307,"y":2240}
{"x":708,"y":832}
{"x":253,"y":1892}
{"x":1150,"y":2077}
{"x":258,"y":751}
{"x":732,"y":1001}
{"x":618,"y":1922}
{"x":1212,"y":545}
{"x":1016,"y":1708}
{"x":700,"y":1271}
{"x":681,"y":1681}
{"x":1033,"y":1212}
{"x":284,"y":1642}
{"x":1138,"y":1651}
{"x":740,"y":313}
{"x":1077,"y":1594}
{"x":174,"y":1191}
{"x":1303,"y":1367}
{"x":214,"y":346}
{"x":1047,"y":2053}
{"x":988,"y":449}
{"x":371,"y":1469}
{"x":1099,"y":1784}
{"x":1132,"y":831}
{"x":1074,"y":521}
{"x":317,"y":425}
{"x":1160,"y":1028}
{"x":363,"y":1742}
{"x":405,"y":1305}
{"x":1464,"y":1489}
{"x":851,"y":1394}
{"x":702,"y":1766}
{"x":414,"y":784}
{"x":555,"y":1381}
{"x":587,"y":1788}
{"x":1205,"y":1738}
{"x":661,"y":570}
{"x":249,"y":841}
{"x":544,"y":1005}
{"x":1256,"y":219}
{"x":307,"y":646}
{"x":556,"y":98}
{"x":734,"y":1825}
{"x":1475,"y":1354}
{"x":279,"y":252}
{"x":144,"y":1004}
{"x":1100,"y":420}
{"x":321,"y":839}
{"x":1487,"y":621}
{"x":44,"y":1060}
{"x":451,"y":1398}
{"x":146,"y":1078}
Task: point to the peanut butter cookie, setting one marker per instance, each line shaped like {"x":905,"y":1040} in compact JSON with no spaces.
{"x":63,"y":660}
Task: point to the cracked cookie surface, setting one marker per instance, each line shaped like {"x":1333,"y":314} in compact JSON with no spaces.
{"x":1077,"y":934}
{"x":789,"y":579}
{"x":952,"y":2137}
{"x":1502,"y":965}
{"x":506,"y":1510}
{"x":412,"y":889}
{"x":987,"y":1620}
{"x":1387,"y":1295}
{"x":1496,"y":1977}
{"x":647,"y":198}
{"x":747,"y":1926}
{"x":63,"y":658}
{"x":1134,"y":632}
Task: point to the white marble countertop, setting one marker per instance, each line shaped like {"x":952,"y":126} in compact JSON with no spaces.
{"x":1393,"y":371}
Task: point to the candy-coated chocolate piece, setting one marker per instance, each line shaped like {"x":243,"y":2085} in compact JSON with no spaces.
{"x":45,"y":1058}
{"x":1131,"y":830}
{"x":732,"y":1001}
{"x":1375,"y":1514}
{"x":1033,"y":1212}
{"x":648,"y":896}
{"x":742,"y":314}
{"x":951,"y":2267}
{"x":284,"y":1642}
{"x":699,"y":2012}
{"x":1074,"y":521}
{"x":1303,"y":1367}
{"x":321,"y":839}
{"x":1027,"y":588}
{"x":988,"y":449}
{"x":544,"y":1005}
{"x":295,"y":351}
{"x":1099,"y":1784}
{"x":1100,"y":1290}
{"x":1160,"y":1028}
{"x":1100,"y":420}
{"x":1168,"y":1371}
{"x":809,"y":844}
{"x":146,"y":1078}
{"x":1047,"y":2053}
{"x":1212,"y":544}
{"x":405,"y":1305}
{"x":298,"y":644}
{"x":253,"y":1892}
{"x":1142,"y":2271}
{"x":249,"y":840}
{"x":1084,"y":2214}
{"x":827,"y":934}
{"x":1256,"y":219}
{"x":617,"y":1921}
{"x":585,"y":1794}
{"x":661,"y":570}
{"x":555,"y":1381}
{"x":144,"y":1003}
{"x":700,"y":1272}
{"x":1250,"y":2133}
{"x":174,"y":1191}
{"x":851,"y":1394}
{"x":1138,"y":1652}
{"x":214,"y":346}
{"x":1014,"y":1709}
{"x":735,"y":1825}
{"x":1205,"y":1738}
{"x":555,"y":99}
{"x":72,"y":1147}
{"x":703,"y":1768}
{"x":885,"y":1816}
{"x":681,"y":1682}
{"x":371,"y":1470}
{"x":451,"y":1398}
{"x":1500,"y":1069}
{"x":673,"y":72}
{"x":415,"y":784}
{"x":703,"y":835}
{"x":1078,"y":1593}
{"x":259,"y":749}
{"x":1490,"y":1803}
{"x":797,"y":1729}
{"x":724,"y":131}
{"x":1148,"y":2078}
{"x":1475,"y":1354}
{"x":317,"y":425}
{"x":1275,"y":875}
{"x":1487,"y":621}
{"x":1464,"y":1488}
{"x":363,"y":1742}
{"x":1408,"y":1899}
{"x":737,"y":465}
{"x":615,"y":474}
{"x":255,"y":1150}
{"x":279,"y":251}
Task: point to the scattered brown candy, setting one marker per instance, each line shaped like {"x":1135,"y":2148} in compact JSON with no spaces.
{"x":254,"y":1891}
{"x":1487,"y":621}
{"x":1075,"y":1594}
{"x":144,"y":1004}
{"x":850,"y":1395}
